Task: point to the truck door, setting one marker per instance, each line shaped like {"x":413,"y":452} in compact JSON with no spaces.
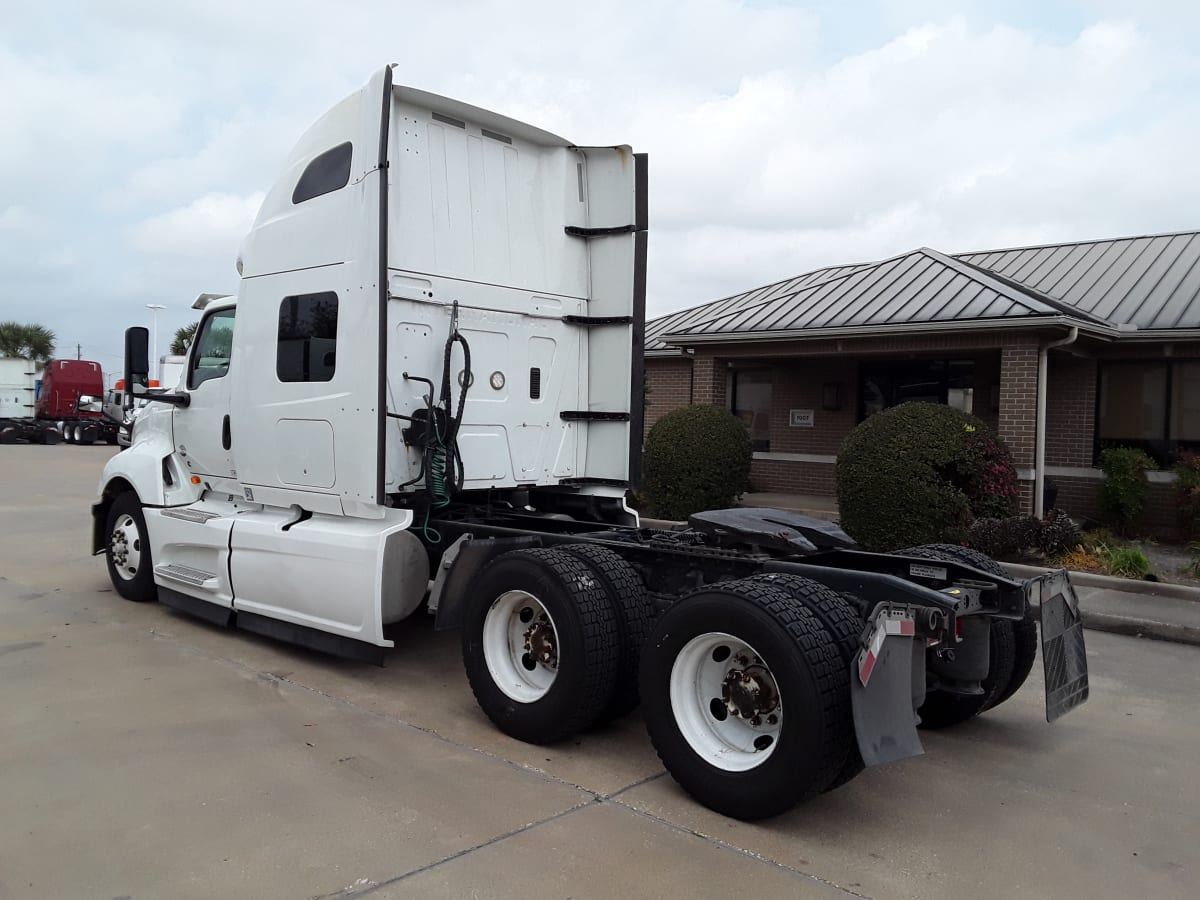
{"x":202,"y":433}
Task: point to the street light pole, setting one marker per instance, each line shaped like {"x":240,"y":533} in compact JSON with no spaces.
{"x":155,"y":307}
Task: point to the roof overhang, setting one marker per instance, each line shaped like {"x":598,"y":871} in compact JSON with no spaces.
{"x":667,"y":353}
{"x":864,"y":331}
{"x":1162,"y":334}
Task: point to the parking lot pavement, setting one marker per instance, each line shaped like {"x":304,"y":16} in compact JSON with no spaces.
{"x":146,"y":754}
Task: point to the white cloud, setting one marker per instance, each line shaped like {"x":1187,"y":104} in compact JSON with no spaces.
{"x":206,"y":227}
{"x":141,"y":136}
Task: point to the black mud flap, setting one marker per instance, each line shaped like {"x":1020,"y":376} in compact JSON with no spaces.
{"x":1064,"y":658}
{"x":882,"y":691}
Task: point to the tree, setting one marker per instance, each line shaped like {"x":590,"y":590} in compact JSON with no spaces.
{"x":34,"y":342}
{"x":183,"y":338}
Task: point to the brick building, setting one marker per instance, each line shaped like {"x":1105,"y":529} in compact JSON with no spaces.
{"x":1085,"y":345}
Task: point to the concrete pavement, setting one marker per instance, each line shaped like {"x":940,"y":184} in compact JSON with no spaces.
{"x":145,"y":754}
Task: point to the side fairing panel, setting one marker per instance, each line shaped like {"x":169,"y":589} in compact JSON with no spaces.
{"x":305,"y":430}
{"x":331,"y":573}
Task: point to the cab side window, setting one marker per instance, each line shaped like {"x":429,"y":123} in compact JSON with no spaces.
{"x":211,"y":352}
{"x":307,"y":347}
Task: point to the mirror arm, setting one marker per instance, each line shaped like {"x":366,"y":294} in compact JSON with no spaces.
{"x":173,"y":399}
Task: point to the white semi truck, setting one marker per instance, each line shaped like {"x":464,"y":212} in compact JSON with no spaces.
{"x":426,"y":397}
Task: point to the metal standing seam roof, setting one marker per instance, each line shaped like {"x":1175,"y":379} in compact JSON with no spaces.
{"x":1152,"y":282}
{"x":1143,"y":283}
{"x":923,"y":286}
{"x":684,"y":318}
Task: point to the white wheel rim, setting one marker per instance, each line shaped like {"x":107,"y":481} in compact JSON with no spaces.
{"x":520,"y":646}
{"x":699,"y":676}
{"x":125,"y":545}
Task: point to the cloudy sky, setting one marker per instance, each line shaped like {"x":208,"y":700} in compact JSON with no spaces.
{"x":138,"y":137}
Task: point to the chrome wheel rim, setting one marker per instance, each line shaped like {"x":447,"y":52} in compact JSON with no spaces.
{"x":125,"y":547}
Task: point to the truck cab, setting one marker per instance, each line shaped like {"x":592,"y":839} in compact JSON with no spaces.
{"x":437,"y":303}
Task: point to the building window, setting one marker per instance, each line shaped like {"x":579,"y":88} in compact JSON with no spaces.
{"x":751,"y":402}
{"x":307,"y":349}
{"x":886,"y":384}
{"x":1151,"y":405}
{"x":326,"y":173}
{"x":212,"y":350}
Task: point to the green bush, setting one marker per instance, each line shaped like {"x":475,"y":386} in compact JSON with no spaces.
{"x":920,"y":473}
{"x":1123,"y":494}
{"x":696,"y":458}
{"x":1125,"y":562}
{"x":1187,"y":493}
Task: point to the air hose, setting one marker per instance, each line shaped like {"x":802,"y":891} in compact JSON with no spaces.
{"x":441,"y":460}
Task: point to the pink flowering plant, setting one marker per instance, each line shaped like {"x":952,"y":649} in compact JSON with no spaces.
{"x":985,"y":473}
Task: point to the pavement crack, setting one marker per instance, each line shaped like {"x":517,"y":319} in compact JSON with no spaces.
{"x":740,"y":851}
{"x":363,"y":890}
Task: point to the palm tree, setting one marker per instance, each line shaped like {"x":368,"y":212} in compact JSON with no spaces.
{"x":34,"y":342}
{"x":10,"y":339}
{"x":183,"y":338}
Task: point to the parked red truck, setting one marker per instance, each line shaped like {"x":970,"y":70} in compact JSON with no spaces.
{"x":57,"y":413}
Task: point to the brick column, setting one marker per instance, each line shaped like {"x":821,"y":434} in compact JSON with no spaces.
{"x":708,"y":381}
{"x":1018,"y":408}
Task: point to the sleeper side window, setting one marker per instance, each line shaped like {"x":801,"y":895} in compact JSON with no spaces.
{"x":307,"y":348}
{"x":328,"y":172}
{"x":213,"y":348}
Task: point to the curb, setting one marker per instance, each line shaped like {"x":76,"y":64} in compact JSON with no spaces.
{"x":1129,"y":626}
{"x":1128,"y":585}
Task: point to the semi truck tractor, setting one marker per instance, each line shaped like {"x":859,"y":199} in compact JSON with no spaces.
{"x":67,"y":405}
{"x":426,"y":399}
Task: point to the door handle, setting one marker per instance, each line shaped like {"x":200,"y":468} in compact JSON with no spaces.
{"x":226,"y":439}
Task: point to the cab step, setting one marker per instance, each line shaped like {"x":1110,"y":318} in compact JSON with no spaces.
{"x":187,"y":575}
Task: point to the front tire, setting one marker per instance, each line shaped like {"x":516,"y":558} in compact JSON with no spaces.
{"x":540,"y":645}
{"x":746,"y":699}
{"x":127,"y":551}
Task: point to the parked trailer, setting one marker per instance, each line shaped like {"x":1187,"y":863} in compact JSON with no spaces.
{"x":427,"y":395}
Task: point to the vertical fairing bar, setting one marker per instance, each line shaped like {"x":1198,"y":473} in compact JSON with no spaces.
{"x":637,"y":387}
{"x":381,"y":401}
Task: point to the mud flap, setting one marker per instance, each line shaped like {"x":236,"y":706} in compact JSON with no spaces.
{"x":882,"y":690}
{"x":1064,"y":658}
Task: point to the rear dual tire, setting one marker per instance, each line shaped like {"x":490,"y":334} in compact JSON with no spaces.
{"x":540,"y":644}
{"x":746,"y":698}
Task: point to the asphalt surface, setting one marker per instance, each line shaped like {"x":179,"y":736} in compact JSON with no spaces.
{"x":145,"y":754}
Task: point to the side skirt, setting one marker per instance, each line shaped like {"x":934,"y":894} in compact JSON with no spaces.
{"x":301,"y":635}
{"x":201,"y":609}
{"x":333,"y":644}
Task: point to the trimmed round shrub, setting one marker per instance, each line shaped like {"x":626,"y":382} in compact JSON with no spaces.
{"x":921,"y":473}
{"x":696,"y":458}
